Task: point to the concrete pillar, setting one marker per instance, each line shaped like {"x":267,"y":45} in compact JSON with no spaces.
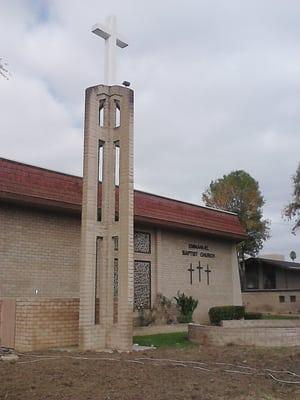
{"x":106,"y":269}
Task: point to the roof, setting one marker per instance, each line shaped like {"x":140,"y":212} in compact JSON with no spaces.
{"x":292,"y":266}
{"x":41,"y":187}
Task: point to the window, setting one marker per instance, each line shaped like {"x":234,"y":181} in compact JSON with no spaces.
{"x":117,"y":179}
{"x":118,"y":114}
{"x":116,"y":243}
{"x":101,"y":113}
{"x":281,"y":299}
{"x":116,"y":290}
{"x":293,"y":299}
{"x":100,"y":179}
{"x":252,"y":277}
{"x":142,"y":242}
{"x":97,"y":275}
{"x":142,"y":285}
{"x":269,"y":277}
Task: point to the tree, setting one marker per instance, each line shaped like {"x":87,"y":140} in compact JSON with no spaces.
{"x":3,"y":70}
{"x":238,"y":192}
{"x":292,"y":210}
{"x":293,"y":255}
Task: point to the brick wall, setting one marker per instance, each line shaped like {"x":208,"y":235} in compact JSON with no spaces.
{"x":46,"y":323}
{"x":38,"y":250}
{"x":267,"y":337}
{"x":7,"y":322}
{"x":269,"y":301}
{"x":173,"y":275}
{"x":261,"y":323}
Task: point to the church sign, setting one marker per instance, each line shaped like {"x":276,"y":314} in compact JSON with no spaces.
{"x":202,"y":251}
{"x":198,"y":250}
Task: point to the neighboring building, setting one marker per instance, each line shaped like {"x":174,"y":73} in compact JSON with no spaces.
{"x":178,"y":246}
{"x":272,"y":285}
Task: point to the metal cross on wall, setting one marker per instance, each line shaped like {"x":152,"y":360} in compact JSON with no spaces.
{"x":191,"y":270}
{"x":199,"y":269}
{"x":208,"y":271}
{"x":112,"y":41}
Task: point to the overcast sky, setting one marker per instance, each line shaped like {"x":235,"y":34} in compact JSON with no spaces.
{"x":217,"y":88}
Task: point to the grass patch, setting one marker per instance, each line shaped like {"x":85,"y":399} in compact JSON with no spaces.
{"x":270,"y":316}
{"x":175,"y":339}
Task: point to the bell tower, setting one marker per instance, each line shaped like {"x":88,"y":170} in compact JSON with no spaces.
{"x":106,"y":261}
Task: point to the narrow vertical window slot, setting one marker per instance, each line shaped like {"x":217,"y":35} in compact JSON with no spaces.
{"x":100,"y":179}
{"x":97,"y":286}
{"x":116,"y":243}
{"x":100,"y":173}
{"x":117,"y":164}
{"x":117,"y":179}
{"x":101,"y":113}
{"x":116,"y":290}
{"x":117,"y":114}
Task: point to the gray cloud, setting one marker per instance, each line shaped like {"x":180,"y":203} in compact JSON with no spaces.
{"x":217,"y":88}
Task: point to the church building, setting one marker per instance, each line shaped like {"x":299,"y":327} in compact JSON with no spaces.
{"x":178,"y":246}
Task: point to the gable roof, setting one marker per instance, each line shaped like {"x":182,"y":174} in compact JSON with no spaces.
{"x":40,"y":187}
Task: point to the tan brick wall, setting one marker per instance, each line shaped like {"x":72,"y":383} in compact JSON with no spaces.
{"x":267,"y":337}
{"x":38,"y":250}
{"x":173,"y":272}
{"x":261,"y":323}
{"x":7,"y":322}
{"x":269,"y":301}
{"x":46,"y":323}
{"x":41,"y":250}
{"x":169,"y":270}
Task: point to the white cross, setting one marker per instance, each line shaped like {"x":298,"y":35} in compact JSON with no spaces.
{"x":109,"y":34}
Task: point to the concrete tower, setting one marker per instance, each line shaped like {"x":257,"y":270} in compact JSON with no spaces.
{"x":106,"y":272}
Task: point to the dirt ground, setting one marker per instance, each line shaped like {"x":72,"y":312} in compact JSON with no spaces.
{"x":234,"y":373}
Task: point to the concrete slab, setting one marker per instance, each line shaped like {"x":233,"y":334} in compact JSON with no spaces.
{"x":137,"y":347}
{"x":9,"y":357}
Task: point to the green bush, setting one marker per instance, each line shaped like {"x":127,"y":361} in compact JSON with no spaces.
{"x":253,"y":315}
{"x":186,"y":306}
{"x":218,"y":314}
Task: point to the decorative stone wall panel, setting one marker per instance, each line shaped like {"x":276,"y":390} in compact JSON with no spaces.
{"x":142,"y":284}
{"x":116,"y":289}
{"x":142,"y":242}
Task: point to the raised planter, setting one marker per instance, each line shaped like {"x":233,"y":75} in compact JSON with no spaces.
{"x":267,"y":333}
{"x":262,"y":323}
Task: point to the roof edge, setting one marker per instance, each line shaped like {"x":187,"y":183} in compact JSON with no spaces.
{"x":135,"y":190}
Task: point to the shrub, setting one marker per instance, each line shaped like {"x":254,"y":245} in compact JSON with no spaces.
{"x":253,"y":315}
{"x":218,"y":314}
{"x":145,"y":317}
{"x":186,"y":306}
{"x":163,"y":310}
